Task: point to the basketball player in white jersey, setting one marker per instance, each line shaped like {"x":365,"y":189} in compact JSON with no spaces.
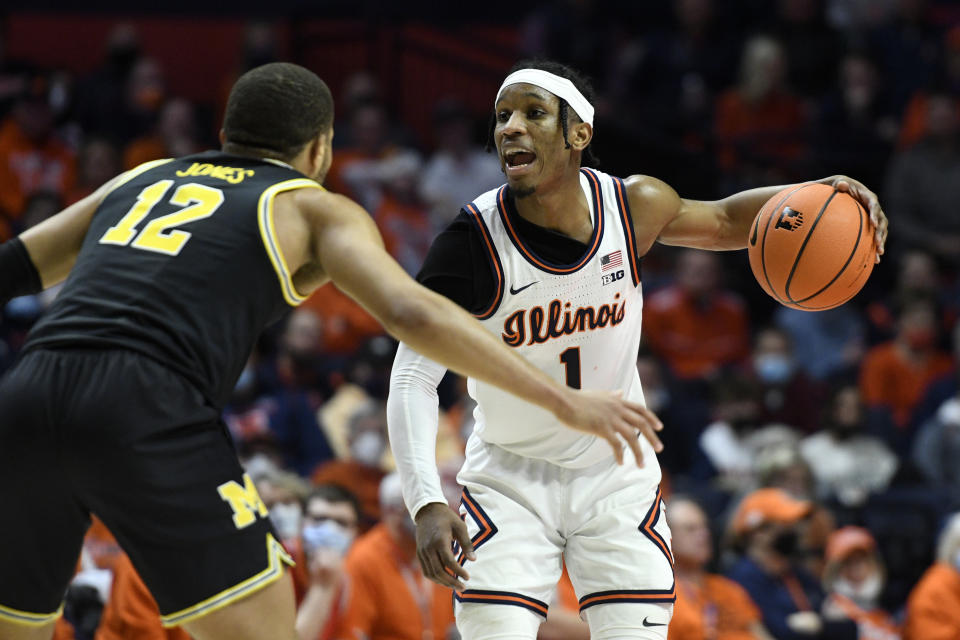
{"x":550,"y":262}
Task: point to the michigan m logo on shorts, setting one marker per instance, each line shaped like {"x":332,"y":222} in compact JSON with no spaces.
{"x":245,"y":501}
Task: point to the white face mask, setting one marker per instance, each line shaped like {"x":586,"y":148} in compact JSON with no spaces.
{"x":864,"y":594}
{"x":327,"y":535}
{"x":367,"y":448}
{"x":286,"y":519}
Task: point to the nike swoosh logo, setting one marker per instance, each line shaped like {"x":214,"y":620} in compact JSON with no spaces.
{"x":753,"y":239}
{"x":516,"y":291}
{"x":653,"y":624}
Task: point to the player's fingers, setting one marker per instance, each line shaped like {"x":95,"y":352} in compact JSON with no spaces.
{"x":630,"y":435}
{"x":650,"y":433}
{"x":610,"y":436}
{"x":645,"y":413}
{"x":451,"y":566}
{"x":447,"y":576}
{"x":462,"y":536}
{"x":438,"y":571}
{"x":428,"y":566}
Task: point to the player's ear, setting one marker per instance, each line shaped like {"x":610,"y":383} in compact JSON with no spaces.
{"x":579,"y":135}
{"x":223,"y":137}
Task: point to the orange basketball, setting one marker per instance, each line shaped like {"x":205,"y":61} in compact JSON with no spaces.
{"x":812,"y":247}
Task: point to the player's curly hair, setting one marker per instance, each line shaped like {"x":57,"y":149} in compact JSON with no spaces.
{"x":583,"y":85}
{"x":275,"y":109}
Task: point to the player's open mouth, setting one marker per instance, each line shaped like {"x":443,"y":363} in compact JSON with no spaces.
{"x":518,"y":161}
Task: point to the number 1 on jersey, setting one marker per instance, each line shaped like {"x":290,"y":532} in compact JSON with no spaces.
{"x":571,"y":361}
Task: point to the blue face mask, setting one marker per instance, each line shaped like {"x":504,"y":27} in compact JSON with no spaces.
{"x":773,"y":368}
{"x":326,"y":535}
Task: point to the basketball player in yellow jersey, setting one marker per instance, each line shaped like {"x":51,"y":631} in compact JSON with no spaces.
{"x":550,"y":264}
{"x":114,"y":407}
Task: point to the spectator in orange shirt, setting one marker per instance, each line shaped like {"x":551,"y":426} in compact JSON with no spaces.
{"x":131,"y":612}
{"x":759,"y":124}
{"x":175,"y":135}
{"x":31,"y":157}
{"x":853,"y":580}
{"x":895,"y":375}
{"x":330,"y":520}
{"x":362,"y":473}
{"x":933,"y":609}
{"x":402,"y":217}
{"x":387,"y":597}
{"x":695,"y":326}
{"x":708,"y":606}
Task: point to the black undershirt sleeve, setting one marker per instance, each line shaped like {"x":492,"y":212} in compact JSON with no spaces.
{"x":18,"y":275}
{"x":458,"y":264}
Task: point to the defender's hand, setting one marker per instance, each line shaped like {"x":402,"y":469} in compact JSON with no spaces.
{"x":437,"y":527}
{"x":607,"y":415}
{"x":869,"y":201}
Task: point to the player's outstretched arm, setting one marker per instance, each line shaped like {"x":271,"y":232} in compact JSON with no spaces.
{"x":349,"y":250}
{"x":721,"y":225}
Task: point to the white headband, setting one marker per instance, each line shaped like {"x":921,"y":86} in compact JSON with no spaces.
{"x":560,"y":87}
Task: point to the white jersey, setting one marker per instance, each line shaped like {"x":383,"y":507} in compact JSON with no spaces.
{"x":579,"y":323}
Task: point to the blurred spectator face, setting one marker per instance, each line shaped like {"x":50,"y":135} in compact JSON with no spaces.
{"x":783,"y":467}
{"x":177,"y":121}
{"x":655,"y":394}
{"x":367,"y":435}
{"x":773,"y":357}
{"x":393,"y":512}
{"x":918,"y":273}
{"x":917,"y":327}
{"x":359,"y":88}
{"x":123,"y":47}
{"x":35,"y":118}
{"x":369,"y":127}
{"x":451,"y":125}
{"x":303,"y":336}
{"x":284,"y":506}
{"x":694,"y":15}
{"x":39,"y":207}
{"x":738,"y":407}
{"x":692,"y":546}
{"x":329,"y":524}
{"x":853,"y":568}
{"x":400,"y":174}
{"x":942,"y":117}
{"x":762,"y":69}
{"x":858,"y":80}
{"x":99,"y":162}
{"x":698,"y":273}
{"x":259,"y":45}
{"x":146,"y":87}
{"x":847,"y":413}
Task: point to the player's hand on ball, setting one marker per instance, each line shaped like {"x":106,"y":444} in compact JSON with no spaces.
{"x":607,"y":415}
{"x":869,"y":201}
{"x":437,"y":527}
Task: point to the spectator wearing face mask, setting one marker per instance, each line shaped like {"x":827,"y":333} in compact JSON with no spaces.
{"x":386,"y":595}
{"x":767,"y":526}
{"x":362,"y":473}
{"x":330,"y":519}
{"x":933,"y":609}
{"x":853,"y":580}
{"x":708,"y":606}
{"x":283,"y":493}
{"x":895,"y":375}
{"x":787,"y":394}
{"x":847,"y":463}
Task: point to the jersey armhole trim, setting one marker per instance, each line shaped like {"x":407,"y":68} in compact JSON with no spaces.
{"x":277,"y":557}
{"x":492,"y":257}
{"x":269,"y":235}
{"x":27,"y":619}
{"x":627,"y":221}
{"x":133,"y":173}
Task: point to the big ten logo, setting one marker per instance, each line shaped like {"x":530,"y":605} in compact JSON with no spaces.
{"x":244,"y":500}
{"x":612,"y":277}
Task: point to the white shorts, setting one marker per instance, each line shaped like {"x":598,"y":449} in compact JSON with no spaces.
{"x":526,"y":517}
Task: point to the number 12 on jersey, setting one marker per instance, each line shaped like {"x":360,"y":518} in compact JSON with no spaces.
{"x":197,"y":201}
{"x":571,"y":361}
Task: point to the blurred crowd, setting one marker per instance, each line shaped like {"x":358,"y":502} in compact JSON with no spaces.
{"x":812,"y":461}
